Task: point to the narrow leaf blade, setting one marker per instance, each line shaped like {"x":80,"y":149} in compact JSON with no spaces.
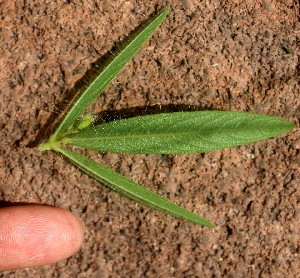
{"x":130,"y":189}
{"x":109,"y":72}
{"x":180,"y":132}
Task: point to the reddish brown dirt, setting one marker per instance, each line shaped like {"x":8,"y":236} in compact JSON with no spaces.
{"x":226,"y":55}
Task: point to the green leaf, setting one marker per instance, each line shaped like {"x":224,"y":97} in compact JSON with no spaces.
{"x":109,"y":72}
{"x":86,"y":121}
{"x":180,"y":132}
{"x":129,"y":188}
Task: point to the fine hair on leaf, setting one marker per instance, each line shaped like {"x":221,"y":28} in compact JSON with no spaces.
{"x":165,"y":133}
{"x":180,"y":132}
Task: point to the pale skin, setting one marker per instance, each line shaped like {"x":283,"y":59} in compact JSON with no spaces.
{"x":35,"y":235}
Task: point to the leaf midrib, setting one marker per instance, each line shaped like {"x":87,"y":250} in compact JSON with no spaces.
{"x":126,"y":190}
{"x":145,"y":135}
{"x":64,"y":125}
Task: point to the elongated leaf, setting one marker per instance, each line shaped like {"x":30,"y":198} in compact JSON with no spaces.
{"x":180,"y":132}
{"x":108,"y":73}
{"x":129,"y":188}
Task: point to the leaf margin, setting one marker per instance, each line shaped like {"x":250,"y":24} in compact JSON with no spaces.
{"x":85,"y":98}
{"x":123,"y":136}
{"x":125,"y":184}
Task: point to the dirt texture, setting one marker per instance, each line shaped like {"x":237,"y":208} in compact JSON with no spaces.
{"x":224,"y":55}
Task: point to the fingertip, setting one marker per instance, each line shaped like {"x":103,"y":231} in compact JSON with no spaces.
{"x":37,"y":235}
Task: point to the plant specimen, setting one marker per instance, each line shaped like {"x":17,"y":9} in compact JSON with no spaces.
{"x":165,"y":133}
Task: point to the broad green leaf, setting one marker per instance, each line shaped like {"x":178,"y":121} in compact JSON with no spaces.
{"x":108,"y":73}
{"x":129,"y":188}
{"x":180,"y":132}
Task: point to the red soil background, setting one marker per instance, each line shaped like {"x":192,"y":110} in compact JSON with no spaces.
{"x":224,"y":55}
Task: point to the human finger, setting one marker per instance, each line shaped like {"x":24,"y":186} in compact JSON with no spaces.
{"x":35,"y":235}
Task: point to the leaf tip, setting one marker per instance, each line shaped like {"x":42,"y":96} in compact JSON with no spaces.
{"x":207,"y":223}
{"x":211,"y":225}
